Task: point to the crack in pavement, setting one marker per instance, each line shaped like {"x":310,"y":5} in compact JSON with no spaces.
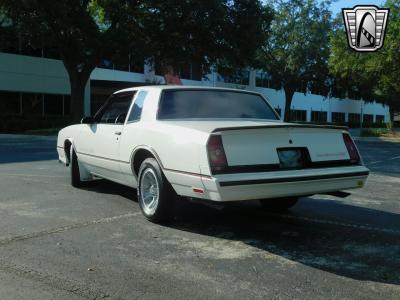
{"x":23,"y":237}
{"x":85,"y":290}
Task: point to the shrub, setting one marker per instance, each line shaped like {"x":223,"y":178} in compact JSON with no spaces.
{"x":375,"y":132}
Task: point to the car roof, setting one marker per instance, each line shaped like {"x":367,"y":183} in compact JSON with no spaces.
{"x":183,"y":87}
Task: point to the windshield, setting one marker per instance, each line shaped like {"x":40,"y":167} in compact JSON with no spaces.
{"x":218,"y":104}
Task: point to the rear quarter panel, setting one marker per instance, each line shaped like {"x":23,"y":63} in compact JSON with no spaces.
{"x":177,"y":148}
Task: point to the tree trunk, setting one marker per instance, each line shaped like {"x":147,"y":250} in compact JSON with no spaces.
{"x":78,"y":82}
{"x":77,"y":79}
{"x":289,"y":92}
{"x":77,"y":97}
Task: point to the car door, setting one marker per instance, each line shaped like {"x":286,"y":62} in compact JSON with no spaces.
{"x":99,"y":142}
{"x":132,"y":137}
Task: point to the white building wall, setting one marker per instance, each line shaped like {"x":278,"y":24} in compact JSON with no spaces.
{"x":41,"y":75}
{"x":31,"y":74}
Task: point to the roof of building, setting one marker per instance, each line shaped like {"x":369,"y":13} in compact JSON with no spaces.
{"x":168,"y":87}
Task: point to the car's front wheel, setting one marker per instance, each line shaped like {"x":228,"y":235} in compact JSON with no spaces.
{"x":156,"y":196}
{"x":280,"y":204}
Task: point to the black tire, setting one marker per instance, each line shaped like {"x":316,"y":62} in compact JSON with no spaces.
{"x":162,"y":209}
{"x":280,"y":204}
{"x":75,"y":174}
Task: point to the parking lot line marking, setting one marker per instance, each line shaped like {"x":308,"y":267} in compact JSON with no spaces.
{"x":367,"y":227}
{"x":384,"y":160}
{"x":65,"y":228}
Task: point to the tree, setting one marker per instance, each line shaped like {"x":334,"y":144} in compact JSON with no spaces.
{"x":388,"y":87}
{"x":82,"y":31}
{"x":370,"y":76}
{"x":297,"y":51}
{"x":206,"y":33}
{"x":245,"y":31}
{"x":171,"y":32}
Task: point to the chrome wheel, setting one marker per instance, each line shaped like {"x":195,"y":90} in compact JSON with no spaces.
{"x":149,"y":191}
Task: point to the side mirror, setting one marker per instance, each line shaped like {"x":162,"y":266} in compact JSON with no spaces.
{"x":87,"y":120}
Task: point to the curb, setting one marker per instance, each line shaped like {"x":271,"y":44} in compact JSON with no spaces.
{"x":377,"y":139}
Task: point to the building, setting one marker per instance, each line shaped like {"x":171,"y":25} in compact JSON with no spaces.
{"x":34,"y":83}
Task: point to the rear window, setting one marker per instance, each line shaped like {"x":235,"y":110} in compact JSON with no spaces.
{"x":205,"y":104}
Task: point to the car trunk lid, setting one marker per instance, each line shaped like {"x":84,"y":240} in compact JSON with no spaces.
{"x":260,"y":148}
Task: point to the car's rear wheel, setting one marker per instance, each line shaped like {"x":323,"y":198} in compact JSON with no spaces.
{"x":280,"y":204}
{"x":156,"y":196}
{"x":75,"y":173}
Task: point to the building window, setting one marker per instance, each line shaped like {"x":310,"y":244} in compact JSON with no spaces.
{"x":298,"y":115}
{"x":9,"y":103}
{"x":368,"y":119}
{"x":67,"y":104}
{"x":53,"y":104}
{"x":32,"y":104}
{"x":338,"y":117}
{"x":354,"y":118}
{"x":380,"y":119}
{"x":319,"y":116}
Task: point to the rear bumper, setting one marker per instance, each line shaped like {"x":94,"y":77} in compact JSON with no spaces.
{"x":250,"y":186}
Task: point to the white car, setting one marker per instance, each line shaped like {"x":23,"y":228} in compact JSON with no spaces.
{"x":210,"y":144}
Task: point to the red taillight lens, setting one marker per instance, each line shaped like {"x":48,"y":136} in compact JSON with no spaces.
{"x":351,"y":148}
{"x":216,"y":153}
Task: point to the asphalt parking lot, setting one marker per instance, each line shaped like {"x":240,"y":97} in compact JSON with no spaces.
{"x":57,"y":242}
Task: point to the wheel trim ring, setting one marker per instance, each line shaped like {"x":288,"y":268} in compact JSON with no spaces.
{"x":149,"y":191}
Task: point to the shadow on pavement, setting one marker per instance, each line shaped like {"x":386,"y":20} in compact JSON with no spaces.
{"x":103,"y":186}
{"x":25,"y":148}
{"x":345,"y":250}
{"x":334,"y":243}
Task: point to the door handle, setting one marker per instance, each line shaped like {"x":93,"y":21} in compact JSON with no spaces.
{"x":117,"y":132}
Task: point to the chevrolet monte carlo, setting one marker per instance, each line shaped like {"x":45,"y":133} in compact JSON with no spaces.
{"x":208,"y":144}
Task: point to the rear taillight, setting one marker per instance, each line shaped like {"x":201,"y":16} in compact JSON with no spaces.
{"x":216,"y":154}
{"x":351,"y":149}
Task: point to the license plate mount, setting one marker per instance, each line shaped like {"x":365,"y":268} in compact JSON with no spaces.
{"x":291,"y":158}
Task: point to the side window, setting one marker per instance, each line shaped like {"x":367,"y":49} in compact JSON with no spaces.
{"x":136,"y":111}
{"x":116,"y":109}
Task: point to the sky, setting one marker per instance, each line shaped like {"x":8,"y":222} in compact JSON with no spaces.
{"x":337,"y":6}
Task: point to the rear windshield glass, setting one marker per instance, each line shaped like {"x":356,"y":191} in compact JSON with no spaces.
{"x":204,"y":104}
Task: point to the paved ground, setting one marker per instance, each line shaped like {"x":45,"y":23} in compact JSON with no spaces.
{"x":57,"y":242}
